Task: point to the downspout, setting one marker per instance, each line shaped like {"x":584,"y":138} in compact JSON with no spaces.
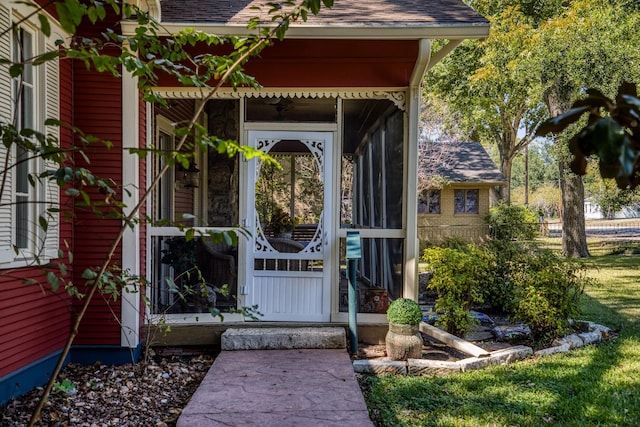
{"x":412,"y":246}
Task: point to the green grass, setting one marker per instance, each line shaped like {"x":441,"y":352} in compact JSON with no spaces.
{"x":592,"y":386}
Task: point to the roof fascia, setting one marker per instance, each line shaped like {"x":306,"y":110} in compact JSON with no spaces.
{"x":407,"y":32}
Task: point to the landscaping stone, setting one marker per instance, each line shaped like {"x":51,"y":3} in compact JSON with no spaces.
{"x":479,"y":333}
{"x":574,"y":341}
{"x":283,"y":338}
{"x":512,"y":333}
{"x":590,"y":337}
{"x":432,"y":368}
{"x":553,"y":350}
{"x":379,"y":367}
{"x":594,"y":333}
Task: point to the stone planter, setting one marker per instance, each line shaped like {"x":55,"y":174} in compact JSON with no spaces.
{"x":403,"y":342}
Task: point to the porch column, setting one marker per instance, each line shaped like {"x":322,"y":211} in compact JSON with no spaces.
{"x":412,"y":246}
{"x":130,"y":301}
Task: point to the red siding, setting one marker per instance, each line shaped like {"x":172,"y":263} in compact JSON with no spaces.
{"x":332,"y":63}
{"x":97,"y":111}
{"x":34,"y":321}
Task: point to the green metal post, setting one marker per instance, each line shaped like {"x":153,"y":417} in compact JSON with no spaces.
{"x":353,"y":254}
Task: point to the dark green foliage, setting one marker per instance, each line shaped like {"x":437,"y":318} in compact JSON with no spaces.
{"x":459,"y":277}
{"x":547,"y":292}
{"x":511,"y":222}
{"x":404,"y":311}
{"x":519,"y":279}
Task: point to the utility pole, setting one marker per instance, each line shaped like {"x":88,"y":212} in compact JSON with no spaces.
{"x":526,"y":176}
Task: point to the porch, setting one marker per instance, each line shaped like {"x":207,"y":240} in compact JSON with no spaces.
{"x":342,"y":165}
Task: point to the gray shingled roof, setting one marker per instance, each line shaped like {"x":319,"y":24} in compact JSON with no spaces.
{"x":370,"y":13}
{"x":467,"y":162}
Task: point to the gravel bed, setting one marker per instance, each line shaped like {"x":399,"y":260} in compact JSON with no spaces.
{"x":151,"y":394}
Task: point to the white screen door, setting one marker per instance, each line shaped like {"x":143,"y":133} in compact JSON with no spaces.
{"x":288,"y":213}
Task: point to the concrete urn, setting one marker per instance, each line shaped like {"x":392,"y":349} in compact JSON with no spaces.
{"x":403,"y":342}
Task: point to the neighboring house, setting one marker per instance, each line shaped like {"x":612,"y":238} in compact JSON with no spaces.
{"x":340,"y":105}
{"x":457,"y":198}
{"x":593,"y":211}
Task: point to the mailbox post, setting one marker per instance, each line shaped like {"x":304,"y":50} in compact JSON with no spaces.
{"x":354,"y":253}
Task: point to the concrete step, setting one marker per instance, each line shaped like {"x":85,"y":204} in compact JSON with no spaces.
{"x":283,"y":338}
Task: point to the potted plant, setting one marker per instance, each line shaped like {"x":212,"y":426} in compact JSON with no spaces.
{"x":282,"y":224}
{"x":403,"y":340}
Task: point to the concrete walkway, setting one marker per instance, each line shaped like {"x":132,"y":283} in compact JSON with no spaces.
{"x":296,"y":387}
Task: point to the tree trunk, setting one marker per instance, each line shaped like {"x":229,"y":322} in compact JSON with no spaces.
{"x":505,"y":167}
{"x":574,"y":239}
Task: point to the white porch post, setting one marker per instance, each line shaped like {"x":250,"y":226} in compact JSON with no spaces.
{"x":412,"y":246}
{"x":130,"y":301}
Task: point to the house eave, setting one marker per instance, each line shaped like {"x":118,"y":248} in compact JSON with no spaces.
{"x":407,"y":31}
{"x":473,"y":184}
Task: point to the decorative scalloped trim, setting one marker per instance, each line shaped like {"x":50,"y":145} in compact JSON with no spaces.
{"x":398,"y":97}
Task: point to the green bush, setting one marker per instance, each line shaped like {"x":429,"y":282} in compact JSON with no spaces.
{"x":404,"y":311}
{"x":511,"y":222}
{"x":548,"y":294}
{"x":459,"y":278}
{"x":519,"y":279}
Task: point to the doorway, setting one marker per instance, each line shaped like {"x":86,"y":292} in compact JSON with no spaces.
{"x":288,"y":256}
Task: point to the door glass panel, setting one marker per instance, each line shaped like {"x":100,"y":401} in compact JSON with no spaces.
{"x":290,"y":197}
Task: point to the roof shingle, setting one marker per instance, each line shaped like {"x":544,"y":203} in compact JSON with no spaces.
{"x":375,"y":13}
{"x":467,"y":162}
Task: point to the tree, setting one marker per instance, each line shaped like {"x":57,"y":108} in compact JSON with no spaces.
{"x":537,"y":59}
{"x":590,"y":42}
{"x":145,"y":55}
{"x":482,"y":82}
{"x":438,"y":140}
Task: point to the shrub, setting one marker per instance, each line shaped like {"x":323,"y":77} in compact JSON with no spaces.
{"x":511,"y":222}
{"x":404,"y":311}
{"x":459,"y":278}
{"x":528,"y":283}
{"x":548,"y":294}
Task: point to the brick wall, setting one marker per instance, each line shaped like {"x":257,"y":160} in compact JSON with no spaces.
{"x":436,"y":227}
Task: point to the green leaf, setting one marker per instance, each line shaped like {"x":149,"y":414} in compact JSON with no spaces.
{"x":54,"y":281}
{"x":45,"y":27}
{"x":44,"y":224}
{"x":16,"y":70}
{"x":559,"y":123}
{"x":89,"y":274}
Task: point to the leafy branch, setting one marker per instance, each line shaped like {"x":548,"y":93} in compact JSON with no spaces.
{"x":611,"y":134}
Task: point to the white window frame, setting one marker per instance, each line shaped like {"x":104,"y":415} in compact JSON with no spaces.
{"x":45,"y":104}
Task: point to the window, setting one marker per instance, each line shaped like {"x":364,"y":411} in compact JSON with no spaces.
{"x":465,"y":201}
{"x":430,"y":202}
{"x":26,"y":101}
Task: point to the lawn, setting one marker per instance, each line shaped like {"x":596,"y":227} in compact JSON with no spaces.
{"x":592,"y":386}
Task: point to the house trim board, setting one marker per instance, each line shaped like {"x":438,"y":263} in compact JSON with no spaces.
{"x":130,"y":301}
{"x":301,"y":31}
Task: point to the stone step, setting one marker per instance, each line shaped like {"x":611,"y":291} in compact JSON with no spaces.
{"x":283,"y":338}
